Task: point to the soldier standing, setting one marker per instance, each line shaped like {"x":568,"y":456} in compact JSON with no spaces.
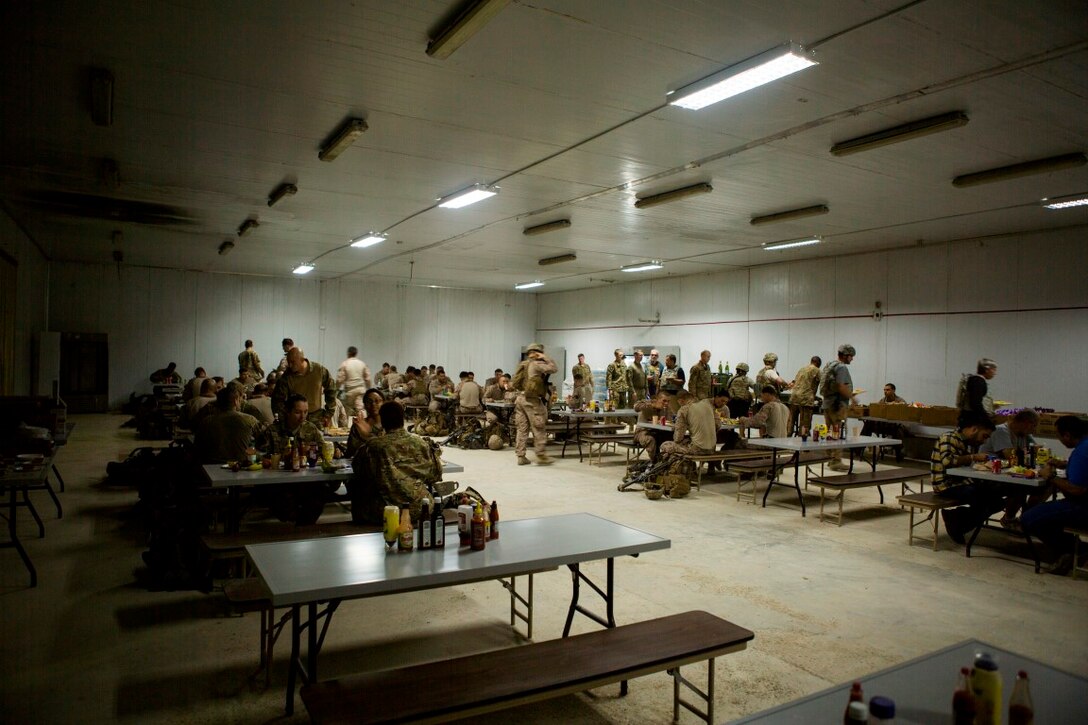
{"x":530,"y":408}
{"x":636,"y":378}
{"x":615,"y":377}
{"x":740,"y":392}
{"x":249,"y":365}
{"x":803,"y":395}
{"x":583,"y":369}
{"x":354,"y":378}
{"x":654,"y":370}
{"x":768,"y":375}
{"x":699,"y":378}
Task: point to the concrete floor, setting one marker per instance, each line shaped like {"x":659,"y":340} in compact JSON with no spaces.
{"x":828,"y":604}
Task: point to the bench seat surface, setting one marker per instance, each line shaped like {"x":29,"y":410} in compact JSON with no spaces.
{"x":869,"y":478}
{"x":505,"y":677}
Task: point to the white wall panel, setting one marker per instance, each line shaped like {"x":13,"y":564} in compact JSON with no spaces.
{"x":32,"y":298}
{"x":918,"y":280}
{"x":813,"y":288}
{"x":769,"y":297}
{"x":983,"y":275}
{"x":916,"y":360}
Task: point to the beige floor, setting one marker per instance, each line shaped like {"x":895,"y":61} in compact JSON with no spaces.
{"x":827,"y":604}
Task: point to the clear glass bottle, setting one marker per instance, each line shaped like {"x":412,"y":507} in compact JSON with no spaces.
{"x":1021,"y":708}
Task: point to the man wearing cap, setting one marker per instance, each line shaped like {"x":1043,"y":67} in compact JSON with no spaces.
{"x":699,"y":377}
{"x":740,"y":392}
{"x":615,"y":378}
{"x":837,"y":387}
{"x":803,"y":395}
{"x":697,"y":431}
{"x":768,"y":375}
{"x":530,"y":409}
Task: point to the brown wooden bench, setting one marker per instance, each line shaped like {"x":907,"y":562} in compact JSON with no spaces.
{"x":928,"y":501}
{"x":602,"y":439}
{"x":864,"y":479}
{"x":491,"y":681}
{"x":1078,"y":535}
{"x":726,"y":457}
{"x":764,"y":463}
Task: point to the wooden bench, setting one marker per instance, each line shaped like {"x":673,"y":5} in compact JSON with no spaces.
{"x":737,"y":454}
{"x":763,"y":464}
{"x":603,"y":439}
{"x":230,"y":548}
{"x":930,"y":502}
{"x":633,"y":450}
{"x":1078,"y":535}
{"x":865,"y":479}
{"x":491,"y":681}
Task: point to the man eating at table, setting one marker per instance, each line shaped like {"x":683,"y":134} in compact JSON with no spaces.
{"x":1048,"y":521}
{"x":701,"y":421}
{"x":979,"y":499}
{"x":299,"y":502}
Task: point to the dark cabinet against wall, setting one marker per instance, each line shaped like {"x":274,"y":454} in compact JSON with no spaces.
{"x":85,"y":372}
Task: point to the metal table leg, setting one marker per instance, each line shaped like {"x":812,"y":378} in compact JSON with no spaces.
{"x":13,"y":534}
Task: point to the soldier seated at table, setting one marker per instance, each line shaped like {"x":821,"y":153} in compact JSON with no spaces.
{"x":414,"y":388}
{"x":393,"y":469}
{"x":648,"y":411}
{"x":696,"y":427}
{"x":577,"y":399}
{"x":469,"y":394}
{"x":980,"y":498}
{"x":300,"y":502}
{"x":372,"y":402}
{"x":773,"y":416}
{"x":225,"y":432}
{"x":887,"y":429}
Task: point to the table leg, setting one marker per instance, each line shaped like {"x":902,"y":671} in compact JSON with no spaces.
{"x":13,"y":503}
{"x":311,"y":643}
{"x":233,"y":517}
{"x":797,"y":480}
{"x":609,"y":620}
{"x":974,"y":535}
{"x":52,"y":495}
{"x":33,"y":512}
{"x":294,"y":664}
{"x":772,"y":477}
{"x":578,"y":435}
{"x":59,"y":479}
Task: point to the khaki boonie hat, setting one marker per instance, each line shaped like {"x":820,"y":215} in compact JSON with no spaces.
{"x":535,"y":347}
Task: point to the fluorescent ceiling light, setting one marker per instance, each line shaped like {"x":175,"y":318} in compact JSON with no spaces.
{"x":557,"y":259}
{"x":673,"y":195}
{"x":790,"y":244}
{"x":281,"y":191}
{"x":643,"y":266}
{"x":1066,"y":202}
{"x":225,"y":247}
{"x":1004,"y":173}
{"x":904,"y":132}
{"x":247,"y":225}
{"x":545,"y":228}
{"x":744,"y":76}
{"x":529,"y":285}
{"x":368,"y":240}
{"x":344,"y":136}
{"x":785,"y":216}
{"x":304,"y":268}
{"x":471,"y":195}
{"x":465,"y":25}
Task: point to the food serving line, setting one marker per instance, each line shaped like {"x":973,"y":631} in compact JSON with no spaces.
{"x":303,"y":575}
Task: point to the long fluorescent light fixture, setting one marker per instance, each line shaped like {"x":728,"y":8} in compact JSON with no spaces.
{"x":673,"y":195}
{"x":785,"y":216}
{"x":529,"y":285}
{"x":471,"y":195}
{"x":281,"y":191}
{"x":1066,"y":202}
{"x":558,"y":259}
{"x":903,"y":132}
{"x":744,"y":76}
{"x":247,"y":225}
{"x":790,"y":244}
{"x":467,"y":24}
{"x":1015,"y":171}
{"x":368,"y":240}
{"x":345,"y":136}
{"x":545,"y":228}
{"x":304,"y":268}
{"x":643,"y":266}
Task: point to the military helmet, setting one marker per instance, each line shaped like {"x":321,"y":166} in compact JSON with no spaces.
{"x":770,"y":358}
{"x":742,"y":367}
{"x":847,"y":349}
{"x":535,"y":347}
{"x":495,"y":442}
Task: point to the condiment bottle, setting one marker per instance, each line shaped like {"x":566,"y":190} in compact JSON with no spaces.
{"x":964,"y":707}
{"x":464,"y":524}
{"x":425,"y":526}
{"x":1021,"y":709}
{"x":881,"y":711}
{"x":405,"y":533}
{"x":479,"y":538}
{"x":856,"y":714}
{"x":438,"y":529}
{"x":986,"y":684}
{"x":391,"y":525}
{"x":487,"y":521}
{"x":493,"y":533}
{"x":288,"y":454}
{"x":856,"y":695}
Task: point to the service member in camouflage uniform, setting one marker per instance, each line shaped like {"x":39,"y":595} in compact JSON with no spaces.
{"x":299,"y":502}
{"x":530,"y":411}
{"x":803,"y":395}
{"x":293,"y":424}
{"x":615,"y":378}
{"x":392,"y":469}
{"x":838,"y":397}
{"x":586,"y":372}
{"x":249,"y":365}
{"x":648,"y":411}
{"x":636,"y":378}
{"x":310,"y":380}
{"x":768,"y":375}
{"x":740,"y":392}
{"x":416,"y":388}
{"x":699,"y":377}
{"x":372,"y":402}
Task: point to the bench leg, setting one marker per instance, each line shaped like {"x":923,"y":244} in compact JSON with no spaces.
{"x":707,"y":697}
{"x":842,"y":495}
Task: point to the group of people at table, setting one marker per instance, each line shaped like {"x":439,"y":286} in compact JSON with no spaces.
{"x":304,"y":393}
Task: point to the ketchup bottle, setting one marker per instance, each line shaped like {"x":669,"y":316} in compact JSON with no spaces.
{"x":964,"y":707}
{"x":1021,"y":710}
{"x":494,"y":531}
{"x":856,"y":695}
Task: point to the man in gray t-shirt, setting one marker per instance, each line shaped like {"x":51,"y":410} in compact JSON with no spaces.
{"x":837,"y":399}
{"x":1013,"y":435}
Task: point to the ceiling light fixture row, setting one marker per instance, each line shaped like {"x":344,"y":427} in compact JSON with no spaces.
{"x":281,"y":191}
{"x":343,"y":137}
{"x":790,"y":244}
{"x":304,"y":268}
{"x":470,"y":195}
{"x":368,"y":240}
{"x":474,"y":17}
{"x":903,"y":132}
{"x":1015,"y":171}
{"x":1065,"y":202}
{"x":247,"y":225}
{"x":545,"y":228}
{"x":643,"y":266}
{"x":558,"y":259}
{"x":528,"y":285}
{"x":667,"y":196}
{"x":744,"y":76}
{"x":785,"y":216}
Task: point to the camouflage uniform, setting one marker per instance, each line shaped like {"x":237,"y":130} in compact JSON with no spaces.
{"x":249,"y":366}
{"x":391,"y":470}
{"x":272,"y":438}
{"x":530,"y":412}
{"x":316,"y":385}
{"x":699,"y":380}
{"x":615,"y":377}
{"x":636,"y":380}
{"x":300,"y":502}
{"x":355,"y":438}
{"x":417,"y":393}
{"x":769,"y":376}
{"x":586,"y":372}
{"x":644,"y":437}
{"x":803,"y":397}
{"x":740,"y":395}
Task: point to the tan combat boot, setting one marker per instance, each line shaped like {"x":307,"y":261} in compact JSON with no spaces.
{"x":544,"y":460}
{"x":523,"y":461}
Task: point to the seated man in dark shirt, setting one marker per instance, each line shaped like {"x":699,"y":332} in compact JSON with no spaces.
{"x":980,"y":499}
{"x":1048,"y":521}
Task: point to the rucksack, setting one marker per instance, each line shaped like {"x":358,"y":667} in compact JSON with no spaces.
{"x":828,"y":387}
{"x":521,"y":375}
{"x":961,"y":390}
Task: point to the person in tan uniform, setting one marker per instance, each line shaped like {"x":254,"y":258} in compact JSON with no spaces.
{"x":699,"y":377}
{"x":530,"y":410}
{"x":803,"y":395}
{"x":249,"y":365}
{"x":773,"y":416}
{"x":615,"y":378}
{"x":648,"y":411}
{"x":636,"y":378}
{"x":583,"y":369}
